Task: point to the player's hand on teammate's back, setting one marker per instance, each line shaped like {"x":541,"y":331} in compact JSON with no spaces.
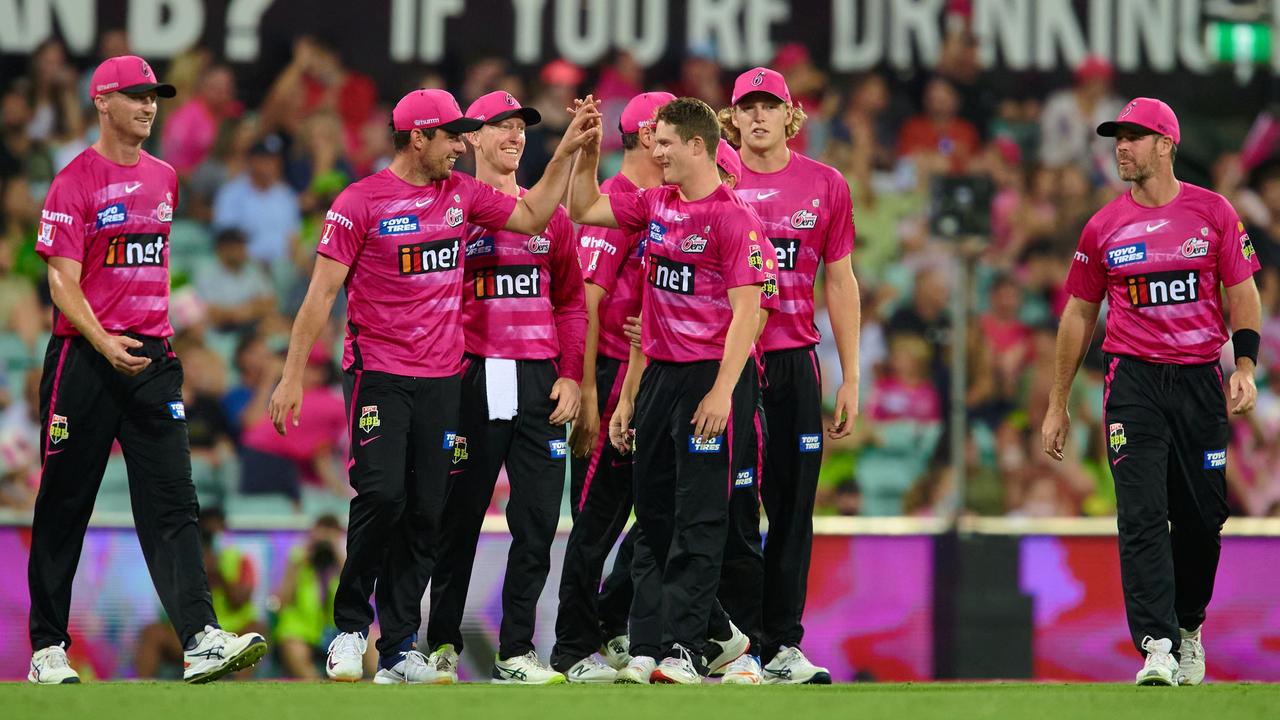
{"x":567,"y":396}
{"x":1244,"y":393}
{"x":585,"y":428}
{"x":712,"y":415}
{"x":1053,"y":432}
{"x":620,"y":432}
{"x":846,"y":411}
{"x":285,"y":405}
{"x":115,"y":348}
{"x":631,"y":328}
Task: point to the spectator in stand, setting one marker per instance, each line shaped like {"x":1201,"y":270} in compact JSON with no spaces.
{"x":899,"y":427}
{"x":314,"y":448}
{"x":939,"y":131}
{"x":318,"y":162}
{"x":560,"y":80}
{"x":261,"y":204}
{"x":317,"y":80}
{"x":305,"y":623}
{"x":20,"y":427}
{"x":111,"y":43}
{"x":255,"y":365}
{"x":928,"y":317}
{"x":1070,"y":116}
{"x":204,"y":383}
{"x":808,"y":87}
{"x":620,"y":80}
{"x":229,"y":159}
{"x":867,"y":125}
{"x":19,"y":307}
{"x":236,"y":292}
{"x":482,"y":77}
{"x":51,"y":91}
{"x":701,"y":76}
{"x":192,"y":130}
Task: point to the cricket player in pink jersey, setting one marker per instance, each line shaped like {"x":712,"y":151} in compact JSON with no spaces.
{"x":110,"y":375}
{"x":395,"y":241}
{"x":524,"y":318}
{"x":702,"y":310}
{"x":1158,"y":254}
{"x":807,"y":212}
{"x":593,"y":618}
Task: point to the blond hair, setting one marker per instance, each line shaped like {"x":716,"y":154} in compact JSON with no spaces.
{"x":731,"y":133}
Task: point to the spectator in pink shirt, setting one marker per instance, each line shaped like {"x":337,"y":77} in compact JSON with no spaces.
{"x":192,"y":130}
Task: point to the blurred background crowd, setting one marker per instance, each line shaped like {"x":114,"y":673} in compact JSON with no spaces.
{"x":257,"y":175}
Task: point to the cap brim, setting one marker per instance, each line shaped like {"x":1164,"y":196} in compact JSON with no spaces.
{"x":528,"y":114}
{"x":746,"y":95}
{"x":1111,"y":127}
{"x":461,"y":125}
{"x":162,"y":90}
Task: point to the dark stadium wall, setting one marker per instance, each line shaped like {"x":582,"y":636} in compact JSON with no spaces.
{"x":1023,"y":43}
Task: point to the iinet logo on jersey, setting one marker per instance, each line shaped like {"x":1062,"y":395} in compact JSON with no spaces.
{"x":428,"y":257}
{"x":672,"y":276}
{"x":1164,"y":288}
{"x":509,"y":281}
{"x":135,"y":250}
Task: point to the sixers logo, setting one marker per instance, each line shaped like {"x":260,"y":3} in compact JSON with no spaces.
{"x":146,"y":69}
{"x":539,"y":245}
{"x":1129,"y":108}
{"x":804,"y":220}
{"x":508,"y":99}
{"x":758,"y":79}
{"x":1195,"y":247}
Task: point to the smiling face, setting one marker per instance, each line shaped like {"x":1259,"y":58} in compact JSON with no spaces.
{"x":762,"y":120}
{"x":672,"y":154}
{"x":500,"y":145}
{"x":129,"y":116}
{"x":437,"y":155}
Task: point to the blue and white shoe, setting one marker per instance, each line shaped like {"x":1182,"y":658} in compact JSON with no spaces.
{"x":219,"y":652}
{"x":791,"y":667}
{"x":411,"y":668}
{"x":743,"y":671}
{"x":49,"y":666}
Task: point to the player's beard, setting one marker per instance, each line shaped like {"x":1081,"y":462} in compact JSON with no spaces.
{"x":1141,"y":170}
{"x":438,"y":169}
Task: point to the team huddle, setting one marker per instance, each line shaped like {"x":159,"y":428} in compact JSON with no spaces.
{"x":652,"y":337}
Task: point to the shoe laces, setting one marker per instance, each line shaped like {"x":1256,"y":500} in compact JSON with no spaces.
{"x":55,"y":657}
{"x":791,"y":655}
{"x":1158,"y":651}
{"x":415,"y":658}
{"x":346,"y":643}
{"x":684,"y":655}
{"x":529,"y":658}
{"x":216,"y":637}
{"x":596,"y":661}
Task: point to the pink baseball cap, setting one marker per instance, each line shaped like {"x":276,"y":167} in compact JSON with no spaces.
{"x":727,"y":159}
{"x":430,"y":108}
{"x":127,"y":74}
{"x":640,"y":110}
{"x":760,"y":79}
{"x":498,"y":106}
{"x":1148,"y":114}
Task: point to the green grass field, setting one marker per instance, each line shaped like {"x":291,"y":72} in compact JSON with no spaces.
{"x":267,"y":700}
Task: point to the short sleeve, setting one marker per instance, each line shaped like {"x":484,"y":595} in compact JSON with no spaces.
{"x":631,"y":209}
{"x":343,"y":234}
{"x":488,"y":207}
{"x":602,"y":252}
{"x":746,"y":254}
{"x":840,"y":227}
{"x":63,"y":221}
{"x":1087,"y":279}
{"x":1237,"y":260}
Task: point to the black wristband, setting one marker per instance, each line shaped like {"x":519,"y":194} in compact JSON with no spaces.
{"x":1245,"y":343}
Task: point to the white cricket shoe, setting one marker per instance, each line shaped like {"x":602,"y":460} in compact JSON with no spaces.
{"x":1160,"y":668}
{"x":1191,"y":657}
{"x":219,"y":653}
{"x":411,"y":669}
{"x":743,"y":671}
{"x":49,"y":666}
{"x":637,"y":672}
{"x":524,"y":669}
{"x":444,"y":660}
{"x":791,"y":667}
{"x":678,"y":670}
{"x":346,"y":657}
{"x":615,"y":652}
{"x":591,"y":670}
{"x":735,"y":647}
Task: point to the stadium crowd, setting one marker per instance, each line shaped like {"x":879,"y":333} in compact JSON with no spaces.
{"x":257,"y":179}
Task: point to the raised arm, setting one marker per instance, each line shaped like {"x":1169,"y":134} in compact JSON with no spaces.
{"x":535,"y":209}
